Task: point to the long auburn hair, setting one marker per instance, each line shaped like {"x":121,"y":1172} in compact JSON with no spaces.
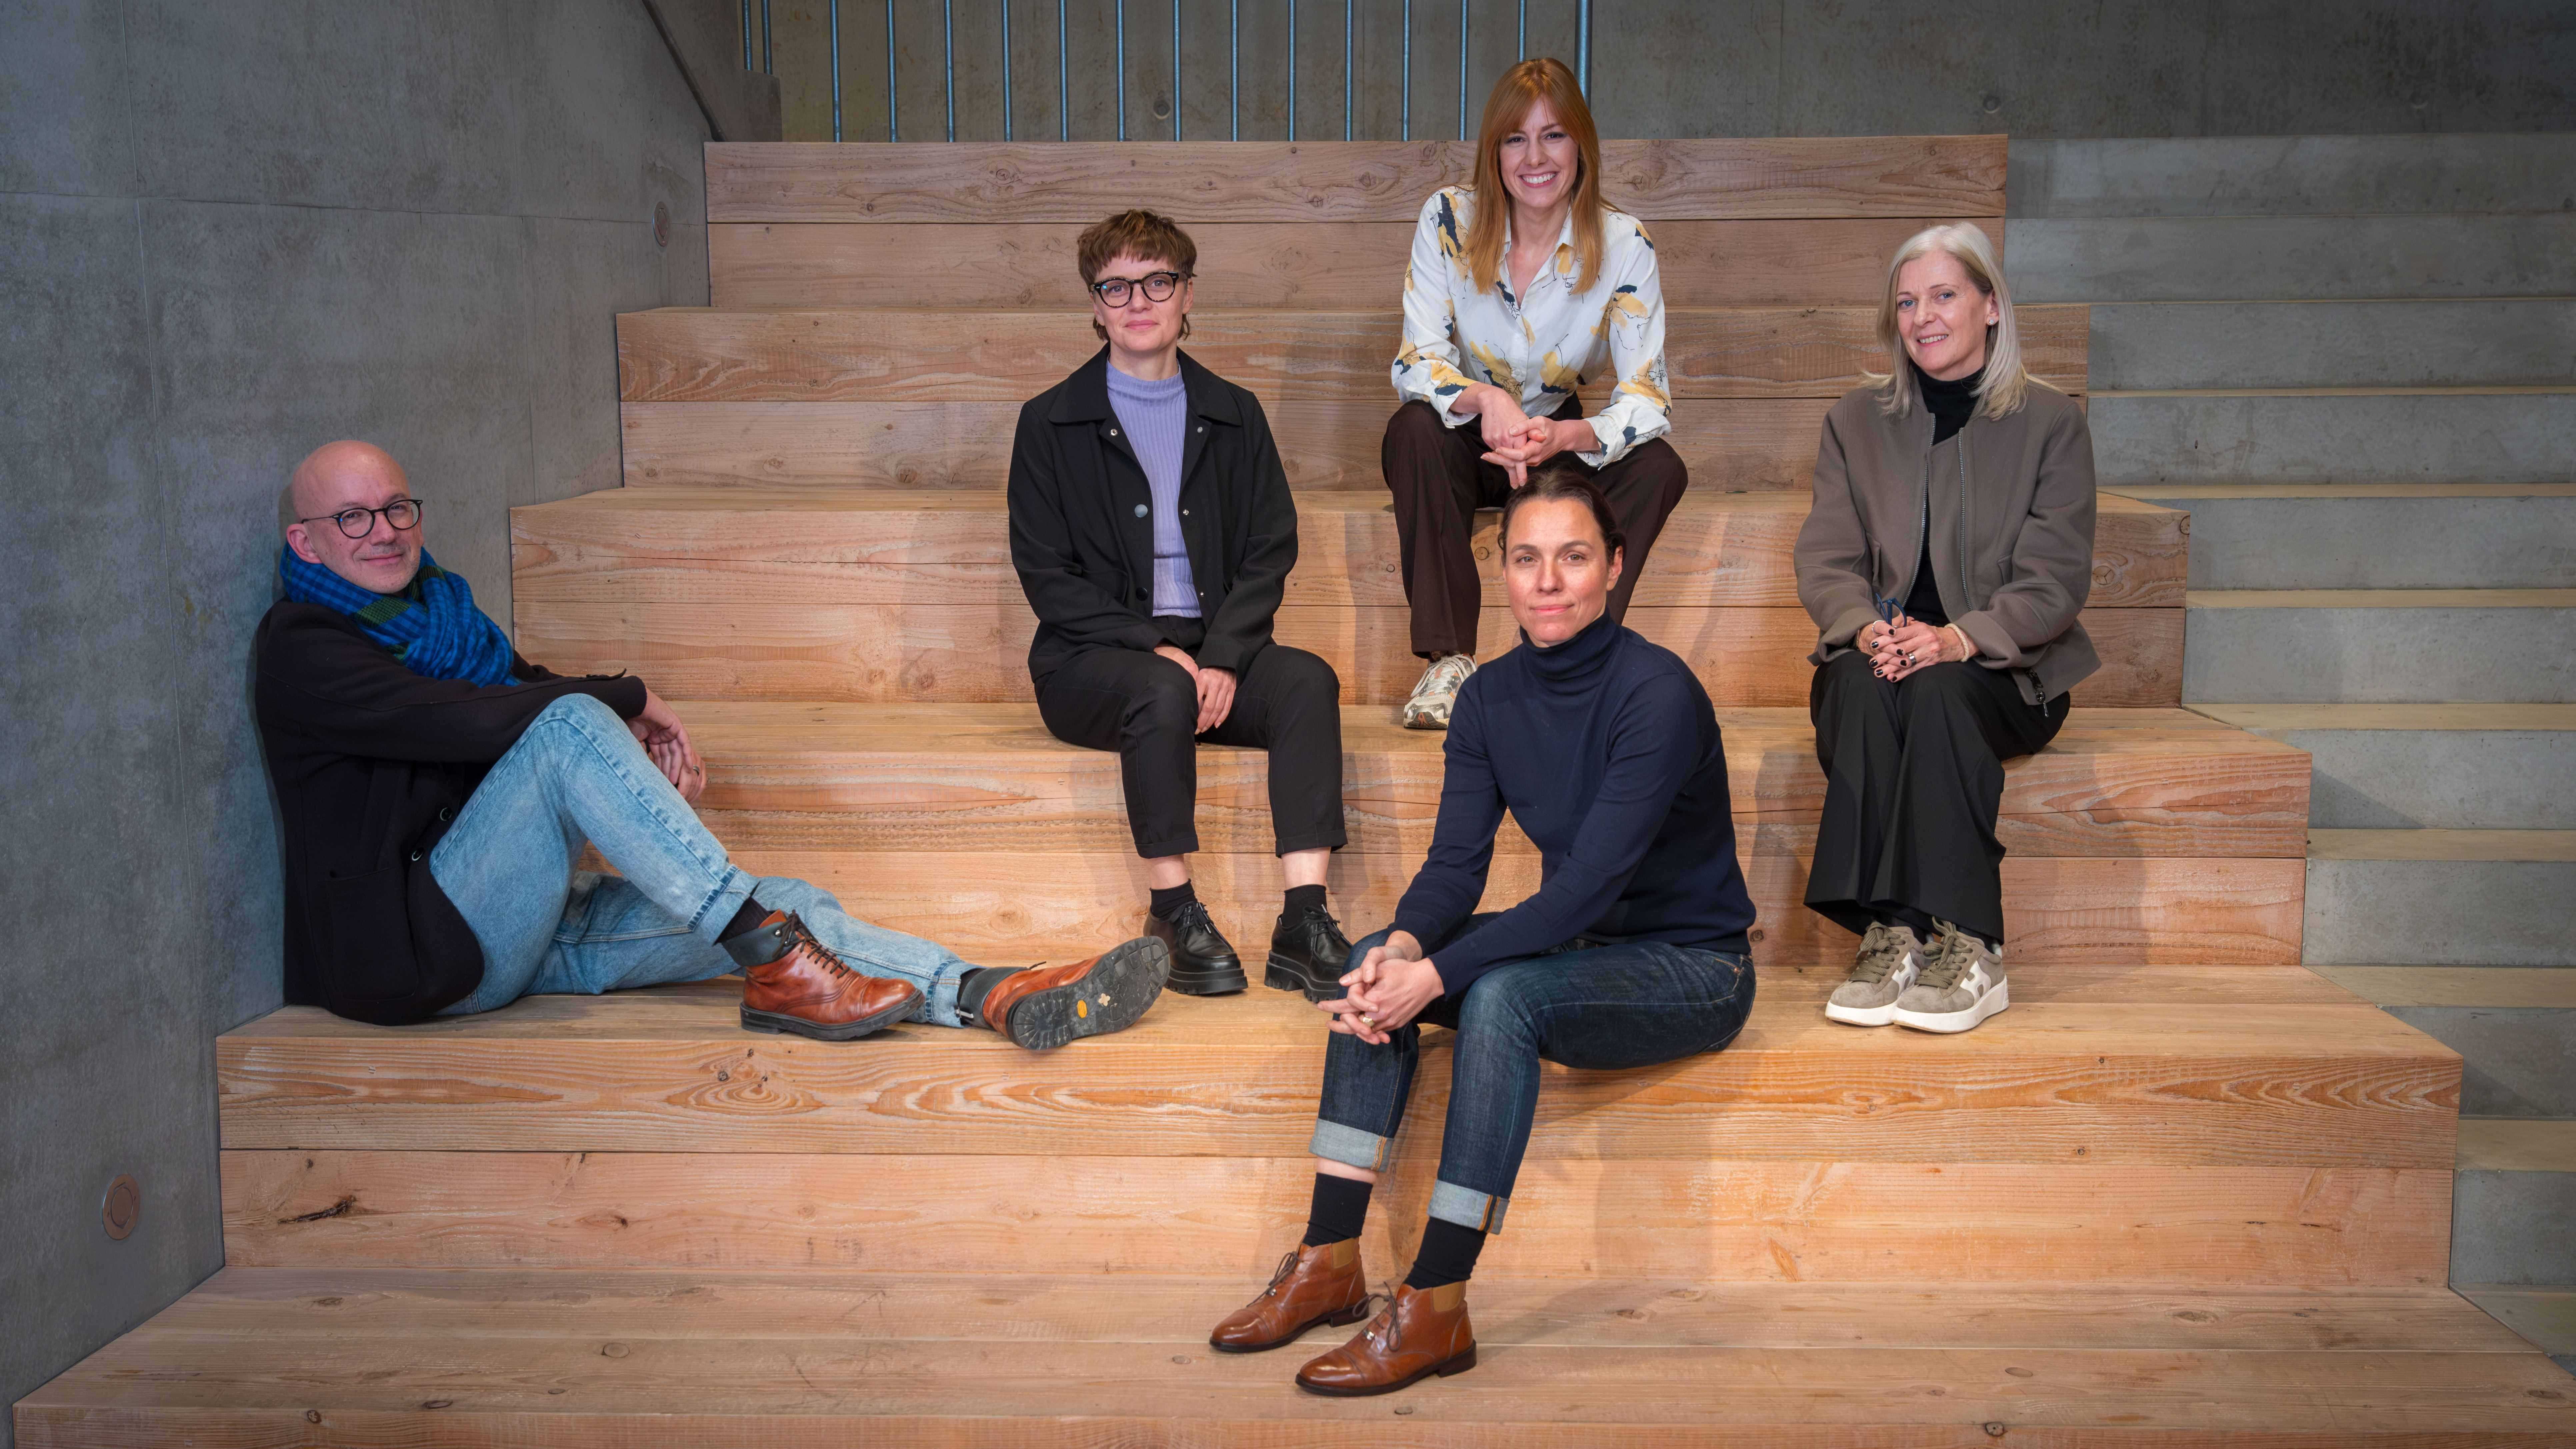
{"x":2007,"y":381}
{"x":1521,"y":87}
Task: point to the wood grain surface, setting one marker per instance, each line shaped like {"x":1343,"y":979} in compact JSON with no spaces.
{"x":1310,"y":181}
{"x":690,"y":354}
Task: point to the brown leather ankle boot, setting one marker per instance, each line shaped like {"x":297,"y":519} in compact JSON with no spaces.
{"x":792,"y":982}
{"x":1048,"y":1006}
{"x":1319,"y":1284}
{"x":1424,"y":1331}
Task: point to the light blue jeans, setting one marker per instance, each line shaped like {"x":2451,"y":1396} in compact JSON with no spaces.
{"x":578,"y":776}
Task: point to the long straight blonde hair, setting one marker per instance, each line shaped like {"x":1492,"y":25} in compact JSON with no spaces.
{"x":1521,"y":87}
{"x":2006,"y":381}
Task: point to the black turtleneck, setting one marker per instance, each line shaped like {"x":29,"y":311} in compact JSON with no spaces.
{"x":1950,"y":404}
{"x":1607,"y":754}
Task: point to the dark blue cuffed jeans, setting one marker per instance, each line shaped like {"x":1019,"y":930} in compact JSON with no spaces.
{"x":1598,"y":1007}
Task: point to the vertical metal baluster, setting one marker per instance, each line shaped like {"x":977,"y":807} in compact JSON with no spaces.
{"x":768,"y":61}
{"x":1404,"y":127}
{"x":1234,"y":69}
{"x":1583,"y":46}
{"x":1063,"y":78}
{"x":1521,"y":46}
{"x":1176,"y":69}
{"x":746,"y":34}
{"x":894,"y":131}
{"x":1347,"y":72}
{"x":1292,"y":70}
{"x":1462,"y":70}
{"x":1122,"y":70}
{"x":948,"y":58}
{"x":836,"y":68}
{"x":1006,"y":70}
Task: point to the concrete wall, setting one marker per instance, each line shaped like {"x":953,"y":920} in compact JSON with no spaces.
{"x":228,"y":233}
{"x":2032,"y":68}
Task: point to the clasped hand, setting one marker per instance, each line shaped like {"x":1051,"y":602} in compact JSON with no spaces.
{"x":1391,"y":987}
{"x":666,"y":743}
{"x":1215,"y":686}
{"x":1899,"y":649}
{"x":1517,"y":442}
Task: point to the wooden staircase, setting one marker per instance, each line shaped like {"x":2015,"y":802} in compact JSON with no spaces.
{"x":2184,"y":1193}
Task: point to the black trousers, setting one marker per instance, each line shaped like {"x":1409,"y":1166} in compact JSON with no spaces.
{"x":1288,"y":702}
{"x":1439,"y":478}
{"x":1914,"y":776}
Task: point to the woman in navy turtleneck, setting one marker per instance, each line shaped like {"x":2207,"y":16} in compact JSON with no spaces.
{"x":1605,"y":751}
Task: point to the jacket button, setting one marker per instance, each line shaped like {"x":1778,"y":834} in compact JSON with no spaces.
{"x":1140,"y":510}
{"x":446,"y":813}
{"x":415,"y":855}
{"x":1113,"y":432}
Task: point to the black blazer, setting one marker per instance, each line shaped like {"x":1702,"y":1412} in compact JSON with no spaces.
{"x":1082,"y":531}
{"x":371,"y":763}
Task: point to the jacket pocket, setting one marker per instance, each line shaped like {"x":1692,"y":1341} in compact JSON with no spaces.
{"x":369,"y":955}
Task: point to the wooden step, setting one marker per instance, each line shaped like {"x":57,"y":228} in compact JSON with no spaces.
{"x":872,"y":546}
{"x":857,"y":596}
{"x":697,"y":354}
{"x":960,"y":777}
{"x":810,"y":1359}
{"x":1731,"y":445}
{"x":1831,"y":262}
{"x":1304,"y":182}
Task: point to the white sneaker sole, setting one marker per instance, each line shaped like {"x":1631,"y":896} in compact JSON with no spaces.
{"x":1963,"y":1019}
{"x":1861,"y":1015}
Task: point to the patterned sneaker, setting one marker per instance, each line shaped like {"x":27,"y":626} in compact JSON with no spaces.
{"x":1961,"y":986}
{"x":1890,"y":959}
{"x":1436,"y":691}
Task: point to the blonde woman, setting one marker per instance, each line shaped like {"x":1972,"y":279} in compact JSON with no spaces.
{"x":1523,"y":286}
{"x":1948,"y":551}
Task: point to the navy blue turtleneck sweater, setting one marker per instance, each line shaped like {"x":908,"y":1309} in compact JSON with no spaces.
{"x":1604,"y":748}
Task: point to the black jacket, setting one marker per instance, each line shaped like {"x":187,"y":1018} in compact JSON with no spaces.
{"x":371,"y":764}
{"x":1082,"y":534}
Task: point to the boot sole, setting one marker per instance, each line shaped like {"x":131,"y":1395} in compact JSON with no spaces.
{"x":1111,"y":996}
{"x":1340,"y":1318}
{"x":1283,"y":974}
{"x":1458,"y":1365}
{"x":1861,"y":1015}
{"x":1962,"y":1020}
{"x":1223,"y":981}
{"x":777,"y":1022}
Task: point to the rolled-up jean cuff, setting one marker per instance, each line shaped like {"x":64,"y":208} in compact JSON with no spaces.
{"x":1467,"y":1207}
{"x":1351,"y":1147}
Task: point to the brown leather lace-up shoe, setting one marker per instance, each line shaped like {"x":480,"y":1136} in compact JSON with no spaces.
{"x":1424,"y":1331}
{"x":792,"y":982}
{"x":1045,"y":1007}
{"x":1320,"y":1284}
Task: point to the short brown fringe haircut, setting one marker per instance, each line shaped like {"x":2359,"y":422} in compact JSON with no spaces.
{"x":1525,"y":85}
{"x":1562,"y":479}
{"x":1148,"y":236}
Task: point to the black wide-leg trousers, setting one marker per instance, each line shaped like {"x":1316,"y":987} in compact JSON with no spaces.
{"x":1287,"y":701}
{"x":1439,"y":477}
{"x":1914,"y":776}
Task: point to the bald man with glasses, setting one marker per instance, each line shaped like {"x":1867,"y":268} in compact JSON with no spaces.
{"x":436,"y":791}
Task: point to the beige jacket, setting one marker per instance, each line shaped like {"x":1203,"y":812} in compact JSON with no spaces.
{"x":2010,"y":505}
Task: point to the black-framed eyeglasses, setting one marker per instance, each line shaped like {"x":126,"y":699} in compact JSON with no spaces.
{"x":1157,"y":287}
{"x":359,"y":522}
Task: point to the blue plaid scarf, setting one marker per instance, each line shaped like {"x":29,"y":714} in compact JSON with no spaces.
{"x":432,"y":626}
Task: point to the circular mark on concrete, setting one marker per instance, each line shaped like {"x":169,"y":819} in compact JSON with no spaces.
{"x":122,"y":1208}
{"x":661,"y":223}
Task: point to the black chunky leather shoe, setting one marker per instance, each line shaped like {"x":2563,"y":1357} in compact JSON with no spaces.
{"x":1308,"y":955}
{"x":1203,"y":960}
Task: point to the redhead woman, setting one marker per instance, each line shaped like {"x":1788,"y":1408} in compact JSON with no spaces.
{"x":1523,"y":286}
{"x":1605,"y":751}
{"x":1946,"y":556}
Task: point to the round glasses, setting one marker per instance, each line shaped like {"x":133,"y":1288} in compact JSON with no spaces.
{"x":359,"y":522}
{"x":1157,"y":287}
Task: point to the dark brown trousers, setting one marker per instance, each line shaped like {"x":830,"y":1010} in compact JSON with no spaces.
{"x":1439,"y":478}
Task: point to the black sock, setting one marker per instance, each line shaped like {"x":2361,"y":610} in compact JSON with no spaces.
{"x":1448,"y":1255}
{"x":1301,"y":899}
{"x":975,"y":984}
{"x":1340,"y":1207}
{"x":751,"y":914}
{"x":1167,"y":903}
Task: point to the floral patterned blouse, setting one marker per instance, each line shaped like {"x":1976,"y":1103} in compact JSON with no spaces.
{"x":1542,"y":346}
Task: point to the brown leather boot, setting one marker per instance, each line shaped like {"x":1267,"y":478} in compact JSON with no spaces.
{"x":1048,"y":1006}
{"x":1320,"y":1284}
{"x":792,"y":982}
{"x":1424,"y":1331}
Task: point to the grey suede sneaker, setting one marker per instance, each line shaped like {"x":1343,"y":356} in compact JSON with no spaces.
{"x":1963,"y":985}
{"x":1436,"y":691}
{"x":1890,"y":959}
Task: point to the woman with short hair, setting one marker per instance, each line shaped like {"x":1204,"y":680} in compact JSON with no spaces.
{"x":1945,"y":558}
{"x":1522,"y":286}
{"x":1604,"y":749}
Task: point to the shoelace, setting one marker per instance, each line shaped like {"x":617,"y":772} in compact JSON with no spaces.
{"x":1287,"y":1265}
{"x":1958,"y":950}
{"x":798,"y":938}
{"x":1193,"y":915}
{"x":1878,"y":962}
{"x":1445,"y":675}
